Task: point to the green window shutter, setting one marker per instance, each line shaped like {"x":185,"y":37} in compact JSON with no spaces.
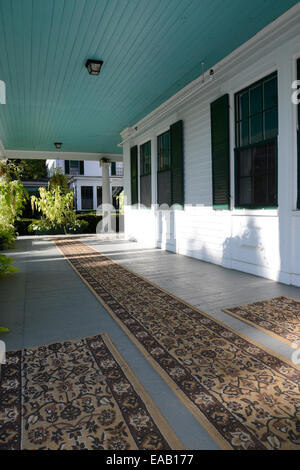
{"x":177,"y":163}
{"x":113,"y":169}
{"x":219,"y":111}
{"x":134,"y":174}
{"x":81,"y":167}
{"x":298,"y":140}
{"x":67,"y":167}
{"x":145,"y":174}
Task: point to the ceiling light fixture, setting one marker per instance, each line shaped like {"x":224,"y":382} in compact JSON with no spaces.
{"x":58,"y":144}
{"x":94,"y":66}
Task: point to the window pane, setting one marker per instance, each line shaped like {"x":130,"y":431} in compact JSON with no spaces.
{"x":260,"y":190}
{"x":260,"y":159}
{"x":256,"y":174}
{"x":256,"y":100}
{"x":87,"y":197}
{"x":245,"y":191}
{"x":74,"y":167}
{"x":164,"y":151}
{"x":244,"y":126}
{"x":260,"y":175}
{"x":145,"y":151}
{"x":245,"y":162}
{"x":99,"y":195}
{"x":237,"y":134}
{"x":256,"y":128}
{"x":270,"y":93}
{"x":271,"y":123}
{"x":244,"y":105}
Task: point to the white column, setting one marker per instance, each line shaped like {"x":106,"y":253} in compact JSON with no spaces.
{"x":126,"y":174}
{"x":107,"y":222}
{"x":106,"y":198}
{"x":285,"y":176}
{"x":95,"y":197}
{"x":79,"y":206}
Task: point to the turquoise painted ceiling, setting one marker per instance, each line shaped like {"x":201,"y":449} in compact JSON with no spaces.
{"x":150,"y":49}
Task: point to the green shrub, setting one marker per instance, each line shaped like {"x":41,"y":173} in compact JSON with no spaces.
{"x":3,"y":329}
{"x":22,"y":225}
{"x":44,"y":227}
{"x":12,"y":199}
{"x":6,"y":268}
{"x":56,"y":206}
{"x":7,"y":235}
{"x":91,"y":221}
{"x":5,"y":265}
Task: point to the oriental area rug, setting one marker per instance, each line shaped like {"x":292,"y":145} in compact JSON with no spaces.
{"x":77,"y":395}
{"x":245,"y":396}
{"x":279,"y":317}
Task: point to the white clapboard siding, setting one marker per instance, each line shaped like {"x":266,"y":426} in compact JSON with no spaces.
{"x":261,"y":242}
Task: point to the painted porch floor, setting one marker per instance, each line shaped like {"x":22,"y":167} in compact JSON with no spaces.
{"x":47,"y":302}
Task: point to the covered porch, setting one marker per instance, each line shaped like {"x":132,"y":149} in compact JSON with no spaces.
{"x":46,"y":302}
{"x":141,"y":342}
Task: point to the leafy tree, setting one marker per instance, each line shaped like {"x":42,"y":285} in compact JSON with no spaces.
{"x":12,"y":200}
{"x":58,"y":179}
{"x":31,"y":169}
{"x":56,"y":206}
{"x":6,"y":267}
{"x":9,"y":171}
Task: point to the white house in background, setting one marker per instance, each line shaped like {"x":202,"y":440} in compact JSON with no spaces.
{"x":224,"y":148}
{"x":85,"y":178}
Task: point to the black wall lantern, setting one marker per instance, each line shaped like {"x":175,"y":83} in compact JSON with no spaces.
{"x":94,"y":66}
{"x":58,"y":145}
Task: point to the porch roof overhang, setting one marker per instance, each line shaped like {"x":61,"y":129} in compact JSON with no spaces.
{"x":52,"y":155}
{"x":150,"y":50}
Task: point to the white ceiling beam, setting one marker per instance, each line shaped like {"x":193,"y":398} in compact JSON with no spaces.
{"x":59,"y":155}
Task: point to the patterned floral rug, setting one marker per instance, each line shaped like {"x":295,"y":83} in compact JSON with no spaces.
{"x":244,"y":395}
{"x":77,"y":395}
{"x":279,"y":317}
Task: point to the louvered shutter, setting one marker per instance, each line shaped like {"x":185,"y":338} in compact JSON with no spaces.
{"x":177,"y":163}
{"x":220,"y":152}
{"x":67,"y":167}
{"x":134,"y":174}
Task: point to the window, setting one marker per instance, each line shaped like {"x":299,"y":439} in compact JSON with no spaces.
{"x":116,"y":191}
{"x":170,"y":168}
{"x":99,"y":196}
{"x":119,"y":169}
{"x":86,"y":197}
{"x":74,"y":167}
{"x":145,"y":156}
{"x":134,"y":174}
{"x":163,"y":152}
{"x":116,"y":169}
{"x":113,"y":169}
{"x":145,"y":174}
{"x":256,"y":114}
